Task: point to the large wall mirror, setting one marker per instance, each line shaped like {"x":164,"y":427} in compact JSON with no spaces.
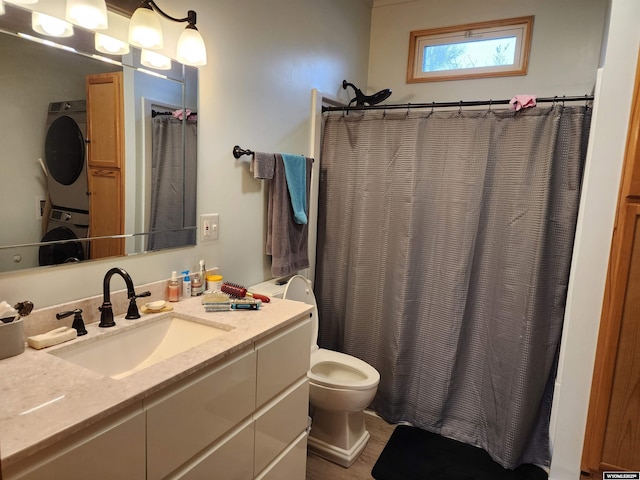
{"x":59,"y":202}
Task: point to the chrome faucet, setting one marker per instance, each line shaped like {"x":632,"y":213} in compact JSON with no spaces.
{"x":106,"y":310}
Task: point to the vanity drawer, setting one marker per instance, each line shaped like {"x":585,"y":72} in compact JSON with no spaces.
{"x":282,"y":359}
{"x":291,"y":464}
{"x":280,"y":421}
{"x":112,"y":448}
{"x":232,"y":458}
{"x":189,"y":417}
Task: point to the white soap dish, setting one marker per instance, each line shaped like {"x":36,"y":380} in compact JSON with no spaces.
{"x":156,"y":306}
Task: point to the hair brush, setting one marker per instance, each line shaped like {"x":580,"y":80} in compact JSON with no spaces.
{"x":240,"y":292}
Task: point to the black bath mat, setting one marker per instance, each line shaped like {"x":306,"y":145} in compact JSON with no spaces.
{"x":415,"y":454}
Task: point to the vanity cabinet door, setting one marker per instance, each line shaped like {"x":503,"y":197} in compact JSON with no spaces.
{"x":111,"y":449}
{"x":282,"y":359}
{"x":187,"y":418}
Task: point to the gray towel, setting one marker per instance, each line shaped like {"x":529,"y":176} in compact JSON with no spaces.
{"x":262,"y":165}
{"x":287,"y":241}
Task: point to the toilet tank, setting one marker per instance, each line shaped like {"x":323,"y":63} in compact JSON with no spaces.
{"x":271,"y":288}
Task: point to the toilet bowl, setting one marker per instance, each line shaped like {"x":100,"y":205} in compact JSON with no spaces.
{"x":340,"y":388}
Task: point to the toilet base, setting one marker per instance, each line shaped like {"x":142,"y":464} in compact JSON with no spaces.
{"x":338,"y":437}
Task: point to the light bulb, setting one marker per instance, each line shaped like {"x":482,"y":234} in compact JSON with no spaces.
{"x":110,"y":45}
{"x":91,"y":14}
{"x":50,"y":26}
{"x":155,"y":60}
{"x":191,"y":49}
{"x":145,"y":30}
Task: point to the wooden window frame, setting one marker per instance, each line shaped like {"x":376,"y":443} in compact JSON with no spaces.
{"x":418,"y":38}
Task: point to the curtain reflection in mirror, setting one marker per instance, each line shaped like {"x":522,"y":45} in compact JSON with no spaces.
{"x":173,"y":183}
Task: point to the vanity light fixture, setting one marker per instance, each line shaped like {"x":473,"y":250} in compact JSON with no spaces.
{"x":50,"y":26}
{"x":109,"y":45}
{"x":1,"y":8}
{"x":145,"y":32}
{"x":22,"y":2}
{"x":91,"y":14}
{"x":155,"y":60}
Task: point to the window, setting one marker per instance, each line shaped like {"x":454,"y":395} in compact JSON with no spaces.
{"x":487,"y":49}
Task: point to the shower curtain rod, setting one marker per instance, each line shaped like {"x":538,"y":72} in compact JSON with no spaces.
{"x":460,"y":104}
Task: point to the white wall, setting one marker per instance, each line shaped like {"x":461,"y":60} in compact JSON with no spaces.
{"x":264,"y":60}
{"x":564,"y":58}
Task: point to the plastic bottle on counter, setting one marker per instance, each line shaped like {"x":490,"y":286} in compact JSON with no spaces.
{"x":174,"y":288}
{"x":196,"y":285}
{"x":186,"y":284}
{"x":203,"y":276}
{"x":214,"y":283}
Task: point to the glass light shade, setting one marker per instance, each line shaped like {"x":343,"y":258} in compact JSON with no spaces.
{"x":1,"y":8}
{"x":110,"y":45}
{"x":50,"y":26}
{"x":22,"y":2}
{"x":145,"y":30}
{"x":155,"y":60}
{"x":191,"y":49}
{"x":91,"y":14}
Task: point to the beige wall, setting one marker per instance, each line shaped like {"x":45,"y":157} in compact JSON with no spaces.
{"x":565,"y":50}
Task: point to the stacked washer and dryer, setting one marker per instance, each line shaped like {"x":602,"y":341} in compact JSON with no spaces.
{"x":66,"y":162}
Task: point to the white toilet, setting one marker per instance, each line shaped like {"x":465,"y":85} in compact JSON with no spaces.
{"x":340,"y":388}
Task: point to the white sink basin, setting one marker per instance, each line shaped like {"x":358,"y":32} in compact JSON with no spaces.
{"x":130,"y":350}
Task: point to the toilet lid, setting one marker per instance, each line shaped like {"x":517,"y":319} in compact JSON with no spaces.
{"x":298,"y":289}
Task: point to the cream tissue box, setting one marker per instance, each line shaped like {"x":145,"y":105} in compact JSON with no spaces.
{"x":11,"y":338}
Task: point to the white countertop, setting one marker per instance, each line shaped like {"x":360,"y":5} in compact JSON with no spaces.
{"x":44,"y":398}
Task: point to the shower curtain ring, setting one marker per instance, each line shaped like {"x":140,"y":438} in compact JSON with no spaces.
{"x":408,"y":108}
{"x":555,"y":98}
{"x":563,"y":97}
{"x":460,"y":107}
{"x":490,"y":103}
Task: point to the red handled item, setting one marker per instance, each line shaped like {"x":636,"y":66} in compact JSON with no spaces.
{"x":241,"y":292}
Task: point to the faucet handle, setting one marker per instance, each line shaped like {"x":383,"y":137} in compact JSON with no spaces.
{"x":132,"y":312}
{"x":78,"y":323}
{"x":143,"y":294}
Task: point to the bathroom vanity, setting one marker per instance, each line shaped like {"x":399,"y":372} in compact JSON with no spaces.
{"x":233,"y":407}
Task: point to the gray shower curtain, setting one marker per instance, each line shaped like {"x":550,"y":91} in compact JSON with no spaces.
{"x":444,"y":249}
{"x":173,"y":183}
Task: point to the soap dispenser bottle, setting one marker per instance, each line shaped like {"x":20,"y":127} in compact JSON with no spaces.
{"x":186,"y":284}
{"x":173,"y":293}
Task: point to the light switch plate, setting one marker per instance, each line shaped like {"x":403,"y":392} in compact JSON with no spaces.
{"x":209,"y":227}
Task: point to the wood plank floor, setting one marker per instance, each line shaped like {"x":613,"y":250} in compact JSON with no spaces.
{"x":320,"y":469}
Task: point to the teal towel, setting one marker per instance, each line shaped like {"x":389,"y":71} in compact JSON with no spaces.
{"x":295,"y":170}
